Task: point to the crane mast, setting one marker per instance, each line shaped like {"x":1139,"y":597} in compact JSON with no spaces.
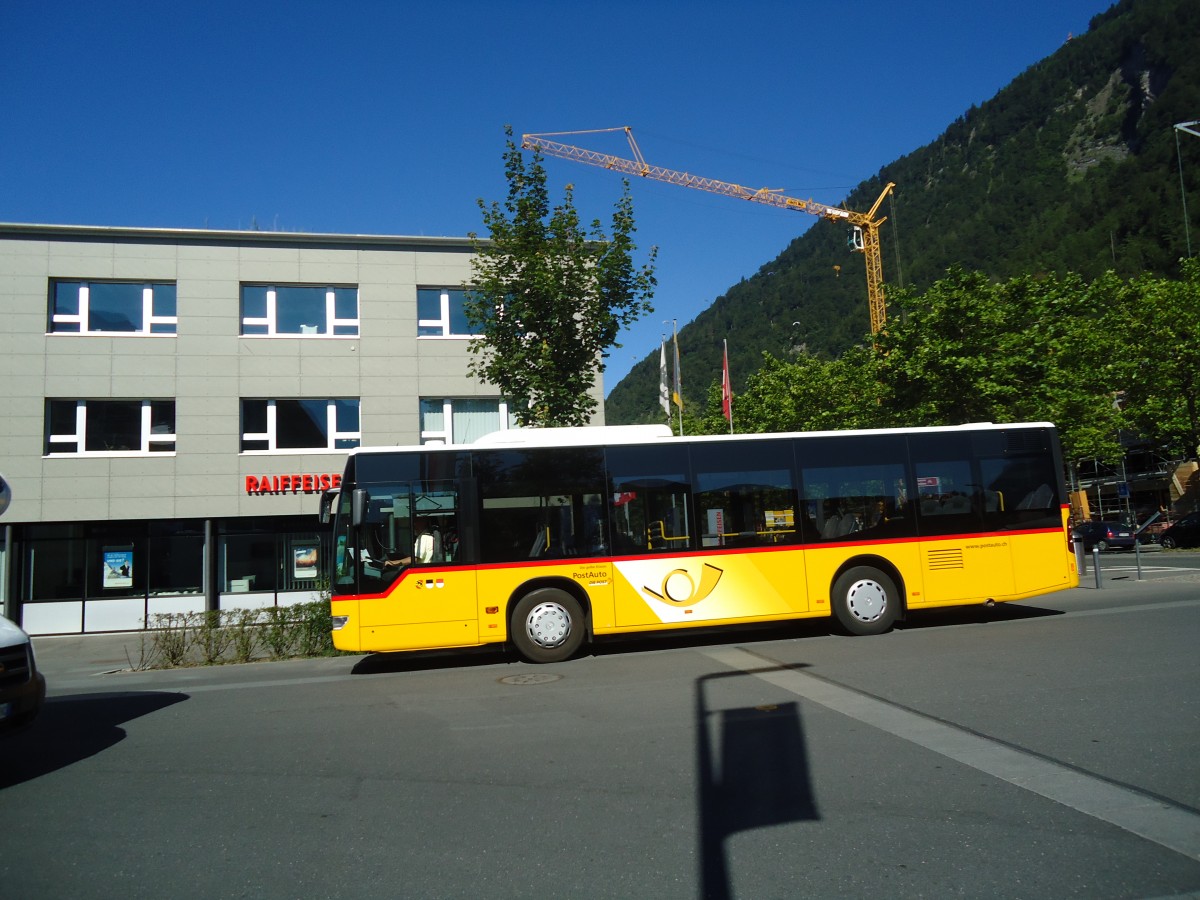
{"x":865,"y":225}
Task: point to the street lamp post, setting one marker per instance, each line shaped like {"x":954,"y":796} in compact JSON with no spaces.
{"x":1190,"y":128}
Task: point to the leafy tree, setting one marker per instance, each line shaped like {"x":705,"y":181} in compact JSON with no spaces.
{"x":1029,"y":349}
{"x":1155,"y":337}
{"x":548,"y":298}
{"x":807,"y":394}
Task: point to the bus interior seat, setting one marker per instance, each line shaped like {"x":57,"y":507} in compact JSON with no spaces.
{"x":1037,"y":499}
{"x":656,"y":538}
{"x":541,"y":543}
{"x":957,"y":504}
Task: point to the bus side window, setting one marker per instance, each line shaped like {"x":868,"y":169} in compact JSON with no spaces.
{"x":535,"y":502}
{"x":855,"y":488}
{"x":650,"y":496}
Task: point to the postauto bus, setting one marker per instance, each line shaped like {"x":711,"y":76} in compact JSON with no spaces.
{"x":549,"y":538}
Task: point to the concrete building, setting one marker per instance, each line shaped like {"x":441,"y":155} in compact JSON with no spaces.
{"x":174,"y":401}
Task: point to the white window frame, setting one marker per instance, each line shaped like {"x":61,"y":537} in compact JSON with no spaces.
{"x":271,"y":434}
{"x":74,"y":444}
{"x":446,"y":435}
{"x":149,"y":319}
{"x":443,"y":322}
{"x":331,"y":319}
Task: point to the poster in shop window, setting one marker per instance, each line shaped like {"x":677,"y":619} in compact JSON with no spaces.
{"x":304,"y":561}
{"x":118,"y":567}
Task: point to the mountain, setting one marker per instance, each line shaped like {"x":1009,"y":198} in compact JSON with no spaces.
{"x":1072,"y":167}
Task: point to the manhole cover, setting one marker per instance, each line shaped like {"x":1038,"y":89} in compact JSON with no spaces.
{"x":529,"y":679}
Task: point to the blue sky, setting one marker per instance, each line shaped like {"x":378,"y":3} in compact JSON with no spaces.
{"x":387,"y":118}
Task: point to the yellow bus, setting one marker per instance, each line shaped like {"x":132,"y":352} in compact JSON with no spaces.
{"x":548,"y":539}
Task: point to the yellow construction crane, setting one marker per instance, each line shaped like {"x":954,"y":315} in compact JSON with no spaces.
{"x":864,"y":236}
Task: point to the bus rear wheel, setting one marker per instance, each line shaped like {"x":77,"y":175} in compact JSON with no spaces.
{"x":865,"y":601}
{"x":547,"y":625}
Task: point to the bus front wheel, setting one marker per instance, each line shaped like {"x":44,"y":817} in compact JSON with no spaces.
{"x":547,"y":625}
{"x":865,"y":601}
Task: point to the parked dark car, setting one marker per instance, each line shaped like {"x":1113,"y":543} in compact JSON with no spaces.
{"x":1105,"y":535}
{"x":22,"y":686}
{"x":1184,"y":533}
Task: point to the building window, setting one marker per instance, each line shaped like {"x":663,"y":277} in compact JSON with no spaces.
{"x":271,"y":425}
{"x":299,"y":310}
{"x":463,"y":420}
{"x":440,"y":313}
{"x":110,"y":426}
{"x":112,"y":307}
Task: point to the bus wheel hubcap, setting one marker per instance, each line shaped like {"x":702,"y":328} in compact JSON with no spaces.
{"x":548,"y":625}
{"x":866,"y":600}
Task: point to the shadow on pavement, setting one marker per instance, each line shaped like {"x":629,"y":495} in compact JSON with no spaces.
{"x":424,"y":660}
{"x":973,"y":615}
{"x":753,"y":772}
{"x":715,"y":636}
{"x":70,"y":729}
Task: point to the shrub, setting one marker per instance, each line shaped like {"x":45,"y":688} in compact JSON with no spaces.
{"x":213,"y":636}
{"x":174,"y":634}
{"x":236,"y":635}
{"x":243,"y":628}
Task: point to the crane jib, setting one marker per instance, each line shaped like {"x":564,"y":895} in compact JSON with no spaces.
{"x":869,"y":225}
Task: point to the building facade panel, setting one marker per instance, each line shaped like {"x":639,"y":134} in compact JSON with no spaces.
{"x":176,"y":401}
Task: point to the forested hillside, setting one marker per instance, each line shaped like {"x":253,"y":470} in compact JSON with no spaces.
{"x":1070,"y":168}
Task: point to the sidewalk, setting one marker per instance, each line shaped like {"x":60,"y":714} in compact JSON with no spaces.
{"x":81,"y":655}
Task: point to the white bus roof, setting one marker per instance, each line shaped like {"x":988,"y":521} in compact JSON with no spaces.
{"x":606,"y":435}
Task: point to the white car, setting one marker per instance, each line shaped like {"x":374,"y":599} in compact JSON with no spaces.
{"x":22,"y":686}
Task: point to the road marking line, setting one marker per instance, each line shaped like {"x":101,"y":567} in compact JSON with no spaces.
{"x":1149,"y":817}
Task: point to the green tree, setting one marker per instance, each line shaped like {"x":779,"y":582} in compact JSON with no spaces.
{"x":548,"y":298}
{"x":1029,"y":349}
{"x":806,"y":394}
{"x":1155,"y":336}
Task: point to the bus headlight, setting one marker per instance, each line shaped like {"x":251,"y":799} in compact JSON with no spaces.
{"x":339,"y":622}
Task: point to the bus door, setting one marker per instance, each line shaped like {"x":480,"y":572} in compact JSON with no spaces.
{"x":413,"y":573}
{"x":962,"y":558}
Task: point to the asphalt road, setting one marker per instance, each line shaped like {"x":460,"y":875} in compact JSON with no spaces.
{"x":1043,"y":749}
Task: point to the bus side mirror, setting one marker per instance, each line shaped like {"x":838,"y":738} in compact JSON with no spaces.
{"x":328,"y":499}
{"x":358,"y":507}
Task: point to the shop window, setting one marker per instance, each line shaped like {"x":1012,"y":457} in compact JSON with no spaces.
{"x":271,"y":554}
{"x":441,"y":313}
{"x":53,"y":563}
{"x":299,"y":311}
{"x":96,"y":561}
{"x":107,"y":427}
{"x":112,"y":307}
{"x":175,"y":560}
{"x":463,"y":420}
{"x":304,"y":424}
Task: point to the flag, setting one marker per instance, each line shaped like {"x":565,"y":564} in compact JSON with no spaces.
{"x":677,"y":391}
{"x":663,"y":397}
{"x":726,"y":388}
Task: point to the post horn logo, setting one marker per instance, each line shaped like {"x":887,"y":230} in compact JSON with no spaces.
{"x":679,"y":588}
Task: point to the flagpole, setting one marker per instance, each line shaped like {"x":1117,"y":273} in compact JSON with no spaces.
{"x":726,"y":386}
{"x":664,"y":392}
{"x":678,"y":397}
